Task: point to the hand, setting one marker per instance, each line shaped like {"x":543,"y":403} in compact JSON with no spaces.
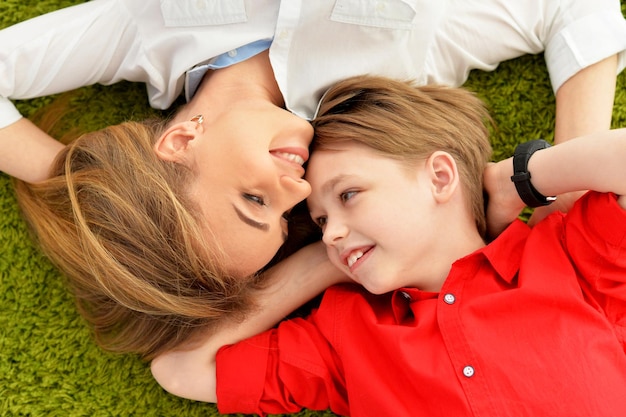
{"x":503,"y":204}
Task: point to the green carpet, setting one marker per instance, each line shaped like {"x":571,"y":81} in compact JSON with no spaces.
{"x":49,"y":364}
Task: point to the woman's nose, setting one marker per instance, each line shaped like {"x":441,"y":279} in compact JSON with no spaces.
{"x":294,"y":190}
{"x":301,"y":127}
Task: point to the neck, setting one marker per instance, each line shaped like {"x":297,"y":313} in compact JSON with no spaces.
{"x":457,"y":238}
{"x":252,"y":79}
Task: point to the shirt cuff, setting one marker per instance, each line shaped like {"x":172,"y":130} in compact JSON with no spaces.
{"x":585,"y":42}
{"x":8,"y":113}
{"x":240,"y":375}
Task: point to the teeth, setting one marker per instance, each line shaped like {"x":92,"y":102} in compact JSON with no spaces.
{"x":291,"y":157}
{"x":354,"y":257}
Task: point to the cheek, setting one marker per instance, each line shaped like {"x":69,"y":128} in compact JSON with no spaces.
{"x":246,"y":259}
{"x":242,"y":250}
{"x":334,"y":258}
{"x":255,"y":163}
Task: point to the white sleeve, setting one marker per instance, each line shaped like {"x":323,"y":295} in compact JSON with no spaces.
{"x":584,"y":33}
{"x":94,"y":42}
{"x":572,"y":34}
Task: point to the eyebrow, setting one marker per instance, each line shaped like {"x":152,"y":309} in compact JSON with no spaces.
{"x":251,"y":222}
{"x":328,"y":186}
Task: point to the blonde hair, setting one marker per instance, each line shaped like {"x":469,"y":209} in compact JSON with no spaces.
{"x":118,"y":222}
{"x":408,"y":123}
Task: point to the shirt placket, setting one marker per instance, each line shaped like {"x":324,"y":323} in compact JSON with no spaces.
{"x":288,"y":17}
{"x":465,"y":361}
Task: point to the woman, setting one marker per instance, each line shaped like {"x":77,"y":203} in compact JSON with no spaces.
{"x":158,"y":248}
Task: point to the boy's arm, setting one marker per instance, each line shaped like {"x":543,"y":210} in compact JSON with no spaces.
{"x":593,"y":162}
{"x":190,"y":371}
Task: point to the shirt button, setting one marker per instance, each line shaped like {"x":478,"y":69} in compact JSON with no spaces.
{"x":449,"y":299}
{"x":200,"y":4}
{"x":284,"y":34}
{"x":406,"y":295}
{"x":232,"y":53}
{"x":468,"y":371}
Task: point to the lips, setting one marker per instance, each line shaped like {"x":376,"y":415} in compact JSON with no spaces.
{"x":294,"y":155}
{"x":290,"y":157}
{"x":352,"y":257}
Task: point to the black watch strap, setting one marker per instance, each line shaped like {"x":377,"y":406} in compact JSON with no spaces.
{"x":521,"y":177}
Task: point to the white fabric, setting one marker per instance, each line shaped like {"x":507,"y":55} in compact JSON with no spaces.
{"x":316,"y":42}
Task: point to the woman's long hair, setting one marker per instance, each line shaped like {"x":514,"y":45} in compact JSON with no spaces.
{"x":119,"y":224}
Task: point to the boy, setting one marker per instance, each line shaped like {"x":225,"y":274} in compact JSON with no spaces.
{"x":444,"y":324}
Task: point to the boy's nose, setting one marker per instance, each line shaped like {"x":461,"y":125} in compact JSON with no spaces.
{"x":334,"y":232}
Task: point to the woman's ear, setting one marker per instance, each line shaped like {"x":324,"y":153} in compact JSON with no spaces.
{"x":173,"y":144}
{"x":444,"y":175}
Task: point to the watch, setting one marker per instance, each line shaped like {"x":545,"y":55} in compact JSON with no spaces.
{"x":521,"y":177}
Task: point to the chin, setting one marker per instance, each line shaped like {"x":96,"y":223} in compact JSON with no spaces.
{"x":376,"y":290}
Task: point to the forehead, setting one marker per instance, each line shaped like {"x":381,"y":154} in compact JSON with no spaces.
{"x":330,"y":167}
{"x":351,"y":160}
{"x":326,"y":163}
{"x":341,"y":157}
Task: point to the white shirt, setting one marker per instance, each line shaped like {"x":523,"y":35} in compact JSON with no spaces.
{"x":315,"y":42}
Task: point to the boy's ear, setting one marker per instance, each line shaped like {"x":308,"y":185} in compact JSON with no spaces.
{"x":444,"y":175}
{"x":173,"y":144}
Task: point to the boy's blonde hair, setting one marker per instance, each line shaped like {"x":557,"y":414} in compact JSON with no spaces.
{"x":408,"y":123}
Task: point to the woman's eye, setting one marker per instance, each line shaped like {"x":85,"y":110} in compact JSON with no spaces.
{"x":347,"y":195}
{"x":255,"y":199}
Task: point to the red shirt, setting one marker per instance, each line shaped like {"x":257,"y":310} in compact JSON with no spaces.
{"x":534,"y":324}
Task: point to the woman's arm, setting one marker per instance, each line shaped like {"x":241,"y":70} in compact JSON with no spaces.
{"x":59,"y":51}
{"x":593,"y":162}
{"x":190,"y":373}
{"x":27,"y":152}
{"x":92,"y":42}
{"x":584,"y":105}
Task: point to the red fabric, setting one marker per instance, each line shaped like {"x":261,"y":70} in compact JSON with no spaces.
{"x":541,"y":340}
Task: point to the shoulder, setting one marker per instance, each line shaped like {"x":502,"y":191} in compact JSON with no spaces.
{"x":599,"y":214}
{"x":338,"y":297}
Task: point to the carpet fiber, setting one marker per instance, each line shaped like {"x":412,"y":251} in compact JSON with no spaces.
{"x":49,"y":364}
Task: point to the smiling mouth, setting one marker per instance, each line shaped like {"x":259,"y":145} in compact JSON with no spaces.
{"x":291,"y":157}
{"x":354,"y":257}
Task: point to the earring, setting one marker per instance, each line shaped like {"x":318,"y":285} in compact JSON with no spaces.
{"x":198,"y":119}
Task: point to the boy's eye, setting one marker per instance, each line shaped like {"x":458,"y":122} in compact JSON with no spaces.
{"x":321,"y":221}
{"x":347,"y":195}
{"x":255,"y":199}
